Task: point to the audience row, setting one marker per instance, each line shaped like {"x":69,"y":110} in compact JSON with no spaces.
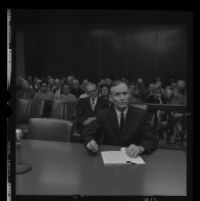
{"x":70,"y":89}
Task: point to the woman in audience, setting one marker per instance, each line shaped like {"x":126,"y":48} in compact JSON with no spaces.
{"x":104,"y":91}
{"x":108,"y":81}
{"x":134,"y":98}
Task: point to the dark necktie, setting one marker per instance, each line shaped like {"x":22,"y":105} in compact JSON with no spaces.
{"x":93,"y":104}
{"x":121,"y":121}
{"x":92,"y":100}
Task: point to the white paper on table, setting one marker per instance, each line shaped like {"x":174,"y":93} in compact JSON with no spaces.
{"x":113,"y":157}
{"x":120,"y":157}
{"x":137,"y":159}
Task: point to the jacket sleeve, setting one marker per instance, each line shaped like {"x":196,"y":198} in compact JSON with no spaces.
{"x":79,"y":112}
{"x":93,"y":131}
{"x":147,"y":139}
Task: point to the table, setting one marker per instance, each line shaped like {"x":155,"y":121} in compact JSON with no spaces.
{"x":64,"y":168}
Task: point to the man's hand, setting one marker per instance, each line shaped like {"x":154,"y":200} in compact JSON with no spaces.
{"x":134,"y":150}
{"x":89,"y":120}
{"x":92,"y":146}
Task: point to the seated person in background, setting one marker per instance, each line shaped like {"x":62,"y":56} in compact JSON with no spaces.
{"x":56,"y":90}
{"x":76,"y":89}
{"x":179,"y":93}
{"x":150,"y":87}
{"x":83,"y":87}
{"x":36,"y":84}
{"x":108,"y":81}
{"x":50,"y":84}
{"x":43,"y":93}
{"x":179,"y":121}
{"x":70,"y":79}
{"x":88,"y":108}
{"x":62,"y":83}
{"x":142,"y":91}
{"x":172,"y":83}
{"x":121,"y":124}
{"x":156,"y":95}
{"x":133,"y":93}
{"x":30,"y":81}
{"x":104,"y":91}
{"x":23,"y":90}
{"x":66,"y":96}
{"x":169,"y":95}
{"x":101,"y":82}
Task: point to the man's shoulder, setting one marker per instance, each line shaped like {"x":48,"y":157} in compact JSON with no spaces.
{"x":138,"y":108}
{"x":71,"y":96}
{"x":83,"y":100}
{"x":84,"y":95}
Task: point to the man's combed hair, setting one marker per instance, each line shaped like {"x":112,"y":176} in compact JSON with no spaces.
{"x":116,"y":83}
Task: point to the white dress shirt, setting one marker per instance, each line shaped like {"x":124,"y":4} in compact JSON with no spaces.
{"x":93,"y":104}
{"x":118,"y":112}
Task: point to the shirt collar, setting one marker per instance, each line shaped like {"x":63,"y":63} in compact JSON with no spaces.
{"x":94,"y":98}
{"x":119,"y":112}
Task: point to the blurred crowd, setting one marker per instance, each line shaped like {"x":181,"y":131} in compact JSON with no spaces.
{"x":65,"y":88}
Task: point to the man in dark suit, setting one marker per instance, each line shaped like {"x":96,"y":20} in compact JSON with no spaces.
{"x":88,"y":108}
{"x":121,"y":124}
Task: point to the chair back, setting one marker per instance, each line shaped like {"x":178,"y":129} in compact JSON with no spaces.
{"x":23,"y":110}
{"x":70,"y":110}
{"x":47,"y":108}
{"x":49,"y":129}
{"x":58,"y":109}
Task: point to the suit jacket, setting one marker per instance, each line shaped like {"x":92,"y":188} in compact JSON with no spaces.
{"x":136,"y":129}
{"x":84,"y":110}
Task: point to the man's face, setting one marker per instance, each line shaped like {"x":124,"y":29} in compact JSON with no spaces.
{"x":119,"y":96}
{"x":51,"y":81}
{"x":157,"y":93}
{"x":70,"y":80}
{"x":92,"y":91}
{"x":25,"y":84}
{"x":57,"y":83}
{"x":104,"y":91}
{"x":62,"y":82}
{"x":43,"y":88}
{"x":66,"y":89}
{"x":76,"y":84}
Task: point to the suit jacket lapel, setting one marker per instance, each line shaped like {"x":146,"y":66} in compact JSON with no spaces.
{"x":98,"y":103}
{"x":89,"y":104}
{"x":115,"y":121}
{"x":128,"y":120}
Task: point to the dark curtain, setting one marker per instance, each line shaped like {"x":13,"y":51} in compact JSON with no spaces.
{"x":111,"y":50}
